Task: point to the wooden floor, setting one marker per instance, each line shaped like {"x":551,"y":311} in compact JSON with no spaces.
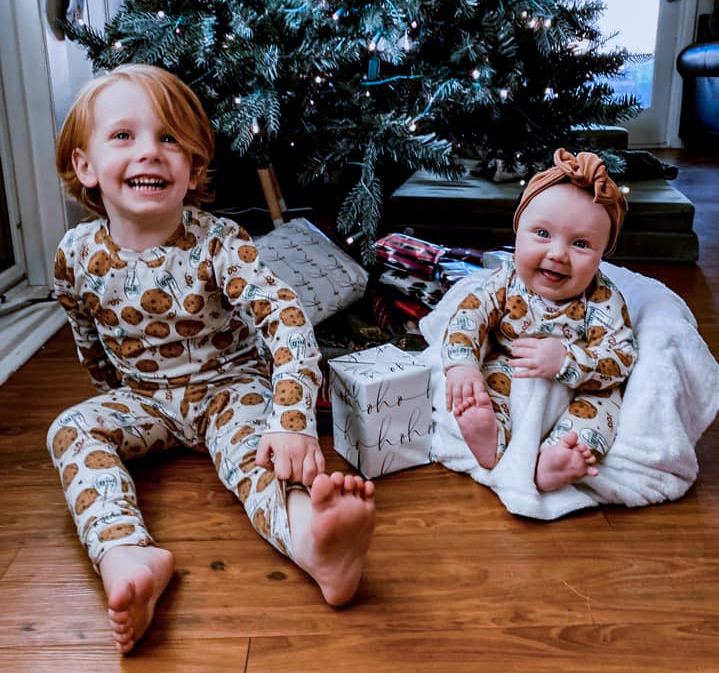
{"x":453,"y":582}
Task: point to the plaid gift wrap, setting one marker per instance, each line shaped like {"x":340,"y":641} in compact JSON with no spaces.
{"x":400,"y":251}
{"x":381,"y":410}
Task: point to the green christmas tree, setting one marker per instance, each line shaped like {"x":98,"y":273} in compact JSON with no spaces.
{"x":368,"y":92}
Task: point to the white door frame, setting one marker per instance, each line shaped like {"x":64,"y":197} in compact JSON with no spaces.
{"x":31,"y":135}
{"x":658,"y":125}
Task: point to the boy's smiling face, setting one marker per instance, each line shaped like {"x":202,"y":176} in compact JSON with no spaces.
{"x":142,"y":171}
{"x":561,"y":236}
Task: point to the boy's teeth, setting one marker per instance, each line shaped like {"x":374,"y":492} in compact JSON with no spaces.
{"x":147,"y":184}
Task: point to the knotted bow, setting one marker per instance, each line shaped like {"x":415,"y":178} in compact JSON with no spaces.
{"x":586,"y":171}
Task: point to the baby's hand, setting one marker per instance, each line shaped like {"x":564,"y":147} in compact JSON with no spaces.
{"x":292,"y":456}
{"x":463,"y":382}
{"x":537,"y":358}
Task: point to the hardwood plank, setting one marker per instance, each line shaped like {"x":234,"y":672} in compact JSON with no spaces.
{"x":223,"y":656}
{"x":611,"y":648}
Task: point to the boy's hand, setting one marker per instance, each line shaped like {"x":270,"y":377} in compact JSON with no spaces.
{"x":292,"y":456}
{"x":463,"y":382}
{"x":537,"y":358}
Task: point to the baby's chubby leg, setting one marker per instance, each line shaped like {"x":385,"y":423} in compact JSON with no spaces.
{"x":331,"y":529}
{"x":134,"y":577}
{"x":563,"y":463}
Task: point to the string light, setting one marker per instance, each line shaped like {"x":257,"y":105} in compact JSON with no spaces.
{"x":319,"y":79}
{"x":414,"y":25}
{"x":625,"y":189}
{"x":161,"y":15}
{"x":547,"y":23}
{"x":118,"y":46}
{"x":475,"y":74}
{"x":238,"y":100}
{"x":413,"y":126}
{"x":177,"y":30}
{"x":532,"y":23}
{"x":255,"y":127}
{"x":372,"y":46}
{"x":504,"y":94}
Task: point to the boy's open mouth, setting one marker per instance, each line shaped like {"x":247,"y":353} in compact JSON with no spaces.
{"x":147,"y":184}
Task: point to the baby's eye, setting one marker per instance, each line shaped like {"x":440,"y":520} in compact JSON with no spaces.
{"x":121,"y":135}
{"x":168,"y":138}
{"x":581,"y":244}
{"x":542,"y":233}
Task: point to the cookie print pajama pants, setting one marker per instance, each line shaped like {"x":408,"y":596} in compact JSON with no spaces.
{"x":90,"y":442}
{"x":593,"y":415}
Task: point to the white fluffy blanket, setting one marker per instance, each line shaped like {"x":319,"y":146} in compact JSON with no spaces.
{"x":671,"y":397}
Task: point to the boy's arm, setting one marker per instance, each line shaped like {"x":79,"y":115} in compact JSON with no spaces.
{"x":607,"y":357}
{"x":289,"y":337}
{"x":84,"y":331}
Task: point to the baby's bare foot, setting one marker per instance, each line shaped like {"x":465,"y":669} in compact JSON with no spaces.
{"x":332,"y":533}
{"x":478,"y":425}
{"x":563,"y":463}
{"x":134,"y":578}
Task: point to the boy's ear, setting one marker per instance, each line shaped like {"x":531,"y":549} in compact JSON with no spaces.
{"x":84,"y":169}
{"x":194,"y":178}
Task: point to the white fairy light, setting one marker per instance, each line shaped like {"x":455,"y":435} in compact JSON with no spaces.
{"x":318,"y":79}
{"x":413,"y":126}
{"x":547,"y":23}
{"x":118,"y":46}
{"x":161,"y":15}
{"x":532,"y":23}
{"x":238,"y":100}
{"x":255,"y":127}
{"x":625,"y":189}
{"x":475,"y":74}
{"x":414,"y":25}
{"x":504,"y":94}
{"x":372,"y":46}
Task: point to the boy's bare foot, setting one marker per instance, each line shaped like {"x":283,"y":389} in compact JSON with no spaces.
{"x":331,"y":532}
{"x":561,"y":464}
{"x":134,"y":578}
{"x":478,"y":426}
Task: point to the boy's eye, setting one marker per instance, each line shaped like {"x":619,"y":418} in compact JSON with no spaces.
{"x":581,"y":244}
{"x":542,"y":233}
{"x":168,"y":138}
{"x":121,"y":135}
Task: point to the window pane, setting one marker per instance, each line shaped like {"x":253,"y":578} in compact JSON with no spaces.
{"x":7,"y":258}
{"x":635,"y":25}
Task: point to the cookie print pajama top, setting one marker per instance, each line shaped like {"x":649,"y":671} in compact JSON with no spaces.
{"x":192,"y":342}
{"x":595,"y":329}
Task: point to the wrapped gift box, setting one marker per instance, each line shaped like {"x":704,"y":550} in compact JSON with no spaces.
{"x":381,"y":410}
{"x":406,"y":253}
